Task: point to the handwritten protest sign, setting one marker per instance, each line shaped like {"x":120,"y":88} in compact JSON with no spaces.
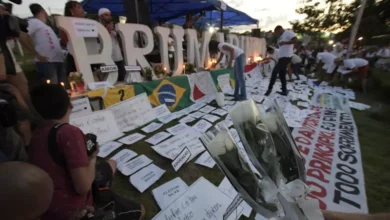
{"x":157,"y":138}
{"x":181,"y":159}
{"x":219,"y":112}
{"x":162,"y":111}
{"x":168,"y":118}
{"x":202,"y":126}
{"x":152,"y":127}
{"x":169,"y":192}
{"x":174,"y":145}
{"x":187,"y":119}
{"x":80,"y":107}
{"x":177,"y":129}
{"x":206,"y":160}
{"x":207,"y":109}
{"x":201,"y":201}
{"x":211,"y":118}
{"x":108,"y":148}
{"x":224,"y":83}
{"x":101,"y":123}
{"x":123,"y":156}
{"x":85,"y":27}
{"x":146,"y":177}
{"x":133,"y":113}
{"x":197,"y":114}
{"x":134,"y":165}
{"x":131,"y":139}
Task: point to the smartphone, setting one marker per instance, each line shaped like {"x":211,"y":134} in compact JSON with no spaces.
{"x":91,"y":143}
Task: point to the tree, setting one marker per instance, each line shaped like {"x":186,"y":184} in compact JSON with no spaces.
{"x":339,"y":17}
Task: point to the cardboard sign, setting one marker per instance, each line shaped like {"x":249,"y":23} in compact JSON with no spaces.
{"x":108,"y":148}
{"x":131,"y":139}
{"x":181,"y":159}
{"x":174,"y":145}
{"x":202,"y":126}
{"x":157,"y":138}
{"x":81,"y":107}
{"x":201,"y":201}
{"x":134,"y":165}
{"x":123,"y":156}
{"x":98,"y":85}
{"x":133,"y":113}
{"x":101,"y":123}
{"x":146,"y":177}
{"x":152,"y":127}
{"x":169,"y":192}
{"x":206,"y":160}
{"x":109,"y":69}
{"x":85,"y":27}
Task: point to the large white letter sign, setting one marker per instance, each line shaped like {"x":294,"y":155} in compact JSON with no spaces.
{"x":76,"y":34}
{"x":194,"y":56}
{"x":163,"y":36}
{"x":177,"y":34}
{"x":135,"y":55}
{"x":233,"y":39}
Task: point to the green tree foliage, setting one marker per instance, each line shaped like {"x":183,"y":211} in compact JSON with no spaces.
{"x":337,"y":16}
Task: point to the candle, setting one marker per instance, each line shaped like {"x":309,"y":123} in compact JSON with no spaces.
{"x":62,"y":84}
{"x":184,"y":68}
{"x":165,"y":69}
{"x":48,"y":81}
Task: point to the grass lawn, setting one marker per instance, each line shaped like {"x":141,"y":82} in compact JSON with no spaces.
{"x":374,"y":137}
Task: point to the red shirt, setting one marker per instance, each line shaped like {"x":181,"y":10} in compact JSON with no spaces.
{"x":71,"y":143}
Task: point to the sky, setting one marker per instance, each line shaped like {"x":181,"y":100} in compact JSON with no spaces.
{"x":269,"y":12}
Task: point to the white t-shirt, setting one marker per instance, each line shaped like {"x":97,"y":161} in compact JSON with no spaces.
{"x":116,"y":49}
{"x":328,"y":60}
{"x":354,"y":63}
{"x":286,"y":50}
{"x":296,"y":59}
{"x":45,"y":40}
{"x":384,"y":52}
{"x":237,"y":51}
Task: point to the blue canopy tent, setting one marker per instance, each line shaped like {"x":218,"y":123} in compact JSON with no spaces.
{"x":160,"y":10}
{"x":229,"y":17}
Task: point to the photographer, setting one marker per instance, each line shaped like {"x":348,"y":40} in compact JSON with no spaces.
{"x":61,"y":150}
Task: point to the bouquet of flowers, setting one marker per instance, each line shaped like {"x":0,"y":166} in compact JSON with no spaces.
{"x":271,"y":176}
{"x":222,"y":147}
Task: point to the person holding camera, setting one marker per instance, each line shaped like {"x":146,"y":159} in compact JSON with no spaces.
{"x":69,"y":157}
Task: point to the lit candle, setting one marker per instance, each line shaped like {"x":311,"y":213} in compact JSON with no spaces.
{"x":165,"y":69}
{"x":62,"y":84}
{"x":184,"y":68}
{"x":48,"y":81}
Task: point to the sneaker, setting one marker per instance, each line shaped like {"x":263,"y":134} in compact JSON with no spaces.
{"x":268,"y":92}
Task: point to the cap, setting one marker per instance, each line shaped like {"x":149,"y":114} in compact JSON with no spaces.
{"x":103,"y":10}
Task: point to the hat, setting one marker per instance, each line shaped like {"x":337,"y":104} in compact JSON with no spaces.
{"x":103,"y":10}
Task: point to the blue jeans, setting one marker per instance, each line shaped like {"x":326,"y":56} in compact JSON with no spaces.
{"x":54,"y":71}
{"x":239,"y":66}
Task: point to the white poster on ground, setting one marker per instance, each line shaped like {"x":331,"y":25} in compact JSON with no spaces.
{"x":100,"y":123}
{"x":133,"y":113}
{"x":201,"y":85}
{"x":201,"y":201}
{"x":146,"y":177}
{"x":328,"y":141}
{"x":175,"y":145}
{"x":169,"y":192}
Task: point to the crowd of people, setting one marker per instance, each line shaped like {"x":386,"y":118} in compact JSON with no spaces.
{"x":46,"y":171}
{"x":331,"y":64}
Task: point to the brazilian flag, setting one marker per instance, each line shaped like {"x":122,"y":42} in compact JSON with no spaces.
{"x":216,"y":73}
{"x":174,"y":92}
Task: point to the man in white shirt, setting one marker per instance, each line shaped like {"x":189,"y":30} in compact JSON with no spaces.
{"x":286,"y":41}
{"x":356,"y":66}
{"x":383,"y":56}
{"x":48,"y":45}
{"x":106,"y":20}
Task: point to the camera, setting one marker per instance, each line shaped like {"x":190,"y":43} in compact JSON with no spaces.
{"x":9,"y":24}
{"x":91,"y":143}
